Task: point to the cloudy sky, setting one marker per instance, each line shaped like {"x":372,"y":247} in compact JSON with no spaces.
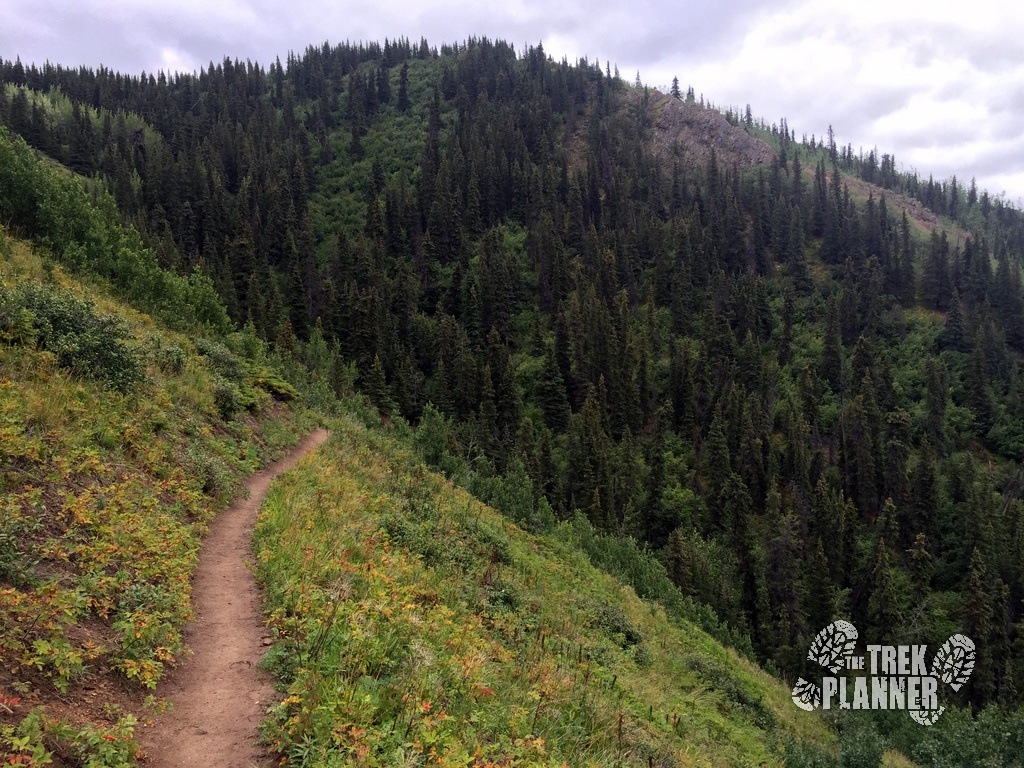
{"x":940,"y":85}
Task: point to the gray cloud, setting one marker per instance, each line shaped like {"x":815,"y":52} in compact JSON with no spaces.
{"x":939,"y":87}
{"x":131,"y":36}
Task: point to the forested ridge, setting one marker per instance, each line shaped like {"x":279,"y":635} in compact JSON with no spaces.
{"x":807,"y":406}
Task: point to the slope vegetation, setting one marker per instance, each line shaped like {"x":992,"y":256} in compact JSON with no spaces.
{"x":415,"y":624}
{"x":120,"y":440}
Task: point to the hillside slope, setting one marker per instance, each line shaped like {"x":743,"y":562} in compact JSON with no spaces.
{"x":120,"y":441}
{"x":759,"y":376}
{"x":415,"y":624}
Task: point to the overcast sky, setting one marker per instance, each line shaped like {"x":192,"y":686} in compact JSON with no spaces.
{"x":940,"y":85}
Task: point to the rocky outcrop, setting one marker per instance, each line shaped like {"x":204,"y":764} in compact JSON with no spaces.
{"x":697,"y":130}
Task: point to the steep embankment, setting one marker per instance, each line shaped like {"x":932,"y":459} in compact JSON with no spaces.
{"x":413,"y":623}
{"x":119,"y":441}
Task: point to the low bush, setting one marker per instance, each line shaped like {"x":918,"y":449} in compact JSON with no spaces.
{"x":83,"y":341}
{"x":221,"y":359}
{"x":169,"y":358}
{"x":227,"y":396}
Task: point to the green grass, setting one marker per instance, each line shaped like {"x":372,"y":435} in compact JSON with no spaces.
{"x":417,"y":626}
{"x":105,"y":492}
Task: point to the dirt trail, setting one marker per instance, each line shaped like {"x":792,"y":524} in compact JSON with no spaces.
{"x":220,"y":695}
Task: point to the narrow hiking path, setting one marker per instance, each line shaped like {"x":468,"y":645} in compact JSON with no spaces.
{"x":219,"y":695}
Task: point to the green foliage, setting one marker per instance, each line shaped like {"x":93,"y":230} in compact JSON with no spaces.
{"x":210,"y":473}
{"x":16,"y":558}
{"x":511,"y":494}
{"x":85,"y":233}
{"x":83,"y":341}
{"x":1007,"y":437}
{"x":993,"y":738}
{"x":89,"y":746}
{"x":221,"y":359}
{"x":435,"y":440}
{"x":103,"y":498}
{"x":697,"y":343}
{"x":170,"y":358}
{"x":427,"y":623}
{"x":624,"y":559}
{"x":102,"y":747}
{"x":860,"y":745}
{"x":236,"y":379}
{"x":25,"y":742}
{"x":736,"y":691}
{"x":610,"y":619}
{"x":59,"y":659}
{"x":227,"y":397}
{"x":804,"y":755}
{"x":278,"y":388}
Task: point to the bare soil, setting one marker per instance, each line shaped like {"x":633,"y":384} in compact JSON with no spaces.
{"x":220,"y":695}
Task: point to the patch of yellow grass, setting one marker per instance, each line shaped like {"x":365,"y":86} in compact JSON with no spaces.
{"x":894,"y":759}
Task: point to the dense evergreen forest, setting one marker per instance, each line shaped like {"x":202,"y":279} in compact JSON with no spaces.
{"x":805,"y":402}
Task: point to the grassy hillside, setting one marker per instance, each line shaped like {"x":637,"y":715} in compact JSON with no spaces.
{"x":416,"y":625}
{"x":119,"y":440}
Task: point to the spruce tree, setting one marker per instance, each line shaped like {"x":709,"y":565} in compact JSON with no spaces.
{"x":954,"y":336}
{"x":885,"y":602}
{"x":551,"y":394}
{"x":376,"y":388}
{"x":832,"y":353}
{"x":820,"y":600}
{"x":935,"y":281}
{"x":979,"y":627}
{"x":936,"y":398}
{"x":976,"y":384}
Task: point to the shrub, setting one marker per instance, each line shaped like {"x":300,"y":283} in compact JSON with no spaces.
{"x":16,"y":559}
{"x":278,"y":388}
{"x":798,"y":754}
{"x":86,"y":343}
{"x":221,"y":359}
{"x":860,"y":746}
{"x":613,"y":622}
{"x":721,"y":678}
{"x":169,"y":358}
{"x":141,"y":595}
{"x":211,"y":474}
{"x":227,"y":397}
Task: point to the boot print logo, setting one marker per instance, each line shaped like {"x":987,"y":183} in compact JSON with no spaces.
{"x":890,"y":677}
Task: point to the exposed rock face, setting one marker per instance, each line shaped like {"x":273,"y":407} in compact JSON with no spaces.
{"x":924,"y":219}
{"x":698,"y":130}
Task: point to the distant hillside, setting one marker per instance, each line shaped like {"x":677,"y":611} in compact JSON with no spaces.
{"x":682,"y":128}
